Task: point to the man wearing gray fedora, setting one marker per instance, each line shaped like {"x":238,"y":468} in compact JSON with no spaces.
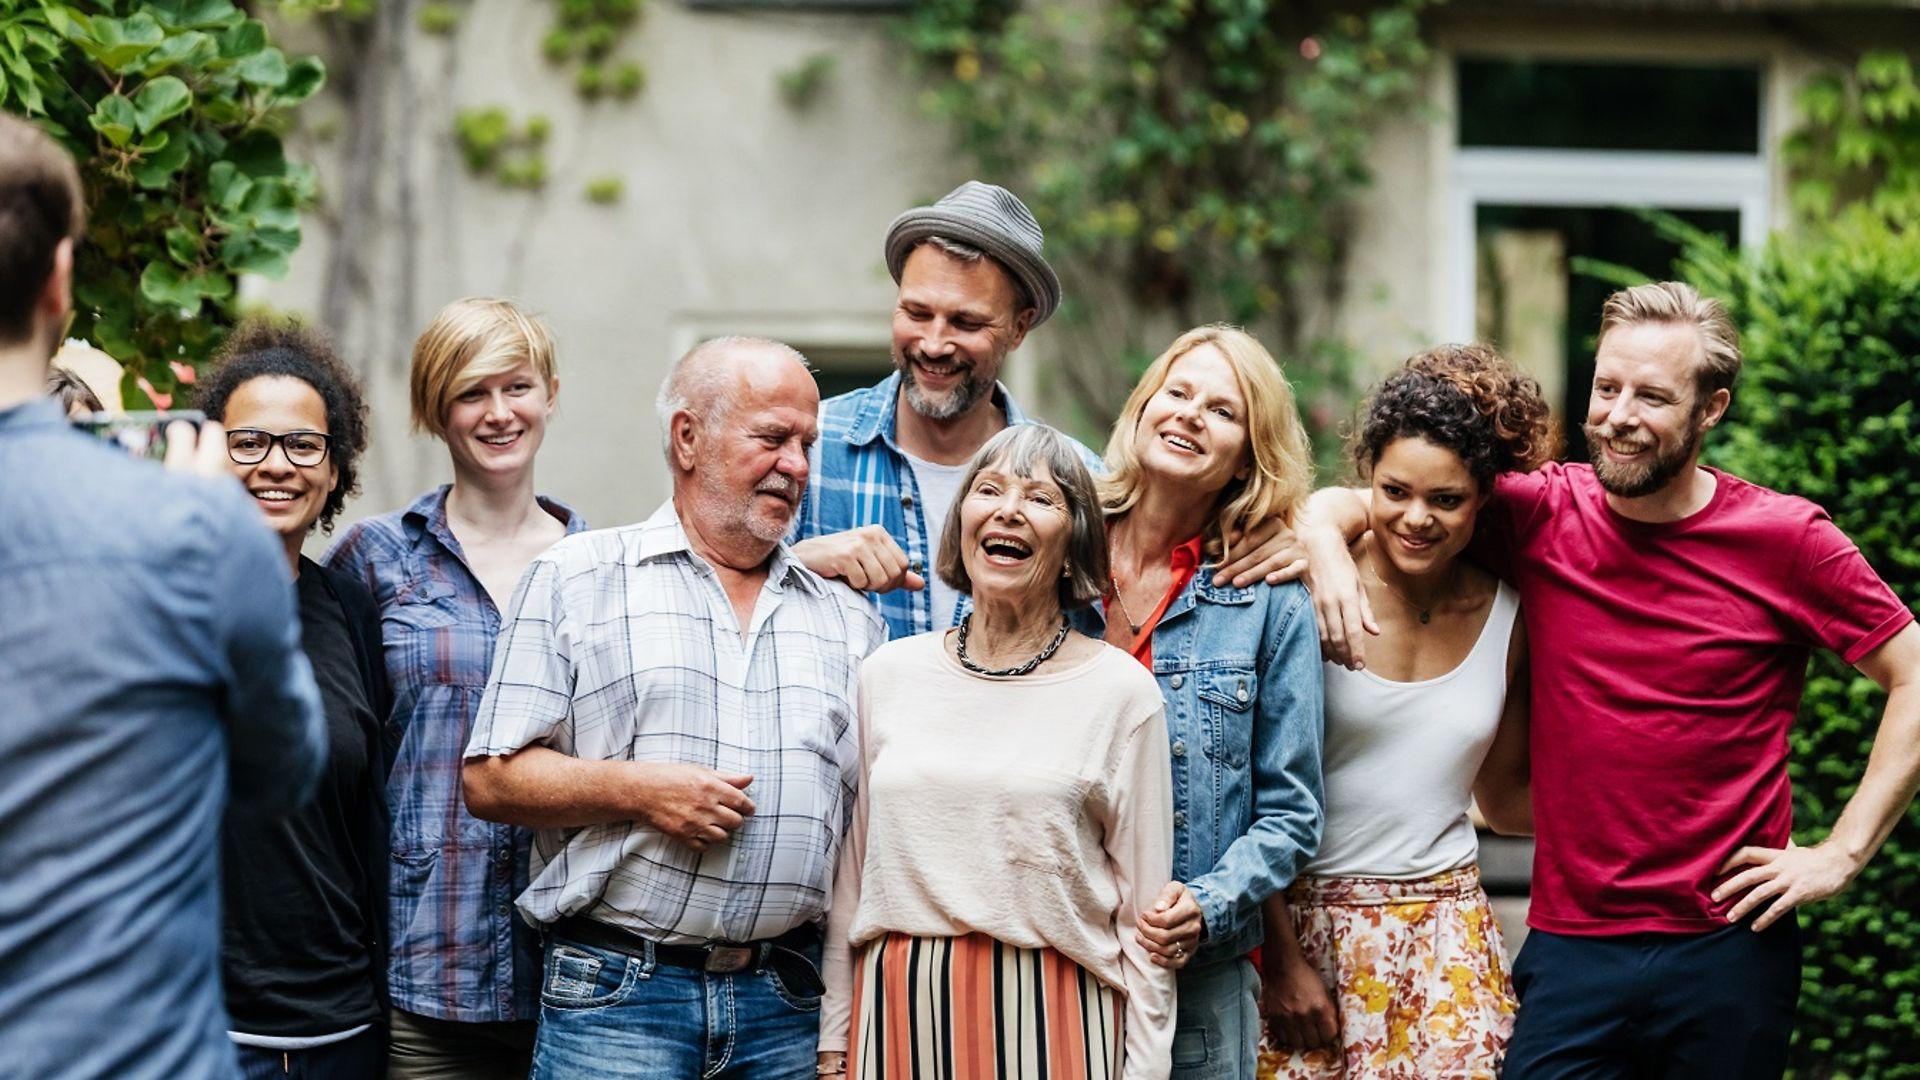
{"x":974,"y":281}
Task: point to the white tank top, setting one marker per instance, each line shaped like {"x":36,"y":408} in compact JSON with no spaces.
{"x":1400,"y":759}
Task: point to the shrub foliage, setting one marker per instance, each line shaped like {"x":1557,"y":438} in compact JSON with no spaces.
{"x":173,"y":109}
{"x":1826,"y":408}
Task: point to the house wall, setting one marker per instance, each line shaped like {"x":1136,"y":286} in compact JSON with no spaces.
{"x":743,"y":214}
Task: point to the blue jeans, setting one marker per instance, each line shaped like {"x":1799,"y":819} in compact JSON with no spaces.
{"x":1216,"y":1032}
{"x":607,"y":1014}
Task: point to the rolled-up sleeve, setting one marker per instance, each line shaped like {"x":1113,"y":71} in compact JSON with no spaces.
{"x":529,"y":696}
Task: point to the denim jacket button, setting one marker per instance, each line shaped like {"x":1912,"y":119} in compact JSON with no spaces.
{"x":1179,"y":819}
{"x":1242,"y":692}
{"x":1177,"y":680}
{"x":1179,"y":748}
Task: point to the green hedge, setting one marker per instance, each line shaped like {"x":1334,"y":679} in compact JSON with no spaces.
{"x":1825,"y":408}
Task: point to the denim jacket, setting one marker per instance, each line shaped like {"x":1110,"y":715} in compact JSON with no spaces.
{"x":1240,"y":672}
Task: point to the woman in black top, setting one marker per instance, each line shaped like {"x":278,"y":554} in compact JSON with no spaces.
{"x":304,"y":954}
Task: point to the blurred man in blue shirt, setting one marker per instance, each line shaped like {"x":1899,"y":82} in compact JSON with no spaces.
{"x":149,"y":664}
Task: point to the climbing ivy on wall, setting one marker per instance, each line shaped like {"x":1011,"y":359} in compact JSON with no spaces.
{"x":1200,"y":158}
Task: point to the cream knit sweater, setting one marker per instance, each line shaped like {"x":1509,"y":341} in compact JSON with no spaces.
{"x":1035,"y":809}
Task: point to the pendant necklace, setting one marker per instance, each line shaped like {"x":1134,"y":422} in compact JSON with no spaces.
{"x":1426,"y":613}
{"x":1053,"y":646}
{"x":1122,"y":601}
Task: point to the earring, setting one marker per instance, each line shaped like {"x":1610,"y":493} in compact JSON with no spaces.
{"x":1066,"y":571}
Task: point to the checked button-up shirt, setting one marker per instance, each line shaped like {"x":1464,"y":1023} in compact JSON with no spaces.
{"x":623,"y":646}
{"x":860,"y":476}
{"x":459,"y":950}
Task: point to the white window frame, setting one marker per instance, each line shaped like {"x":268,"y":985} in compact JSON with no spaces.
{"x":1592,"y":178}
{"x":840,"y":330}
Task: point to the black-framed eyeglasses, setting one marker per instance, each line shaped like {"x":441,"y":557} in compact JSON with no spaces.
{"x":250,"y":446}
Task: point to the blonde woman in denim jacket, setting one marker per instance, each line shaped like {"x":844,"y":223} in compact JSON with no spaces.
{"x":1210,"y":446}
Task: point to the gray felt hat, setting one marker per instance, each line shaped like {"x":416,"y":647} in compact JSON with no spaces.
{"x":992,"y":219}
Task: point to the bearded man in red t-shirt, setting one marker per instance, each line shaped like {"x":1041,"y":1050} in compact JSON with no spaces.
{"x":1671,"y":609}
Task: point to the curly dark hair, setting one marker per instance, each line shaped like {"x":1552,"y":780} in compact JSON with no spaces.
{"x":1468,"y":399}
{"x":262,"y":348}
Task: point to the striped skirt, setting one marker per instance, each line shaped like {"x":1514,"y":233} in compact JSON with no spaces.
{"x":972,"y":1008}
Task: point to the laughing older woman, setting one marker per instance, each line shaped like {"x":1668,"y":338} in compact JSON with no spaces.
{"x":1012,"y":819}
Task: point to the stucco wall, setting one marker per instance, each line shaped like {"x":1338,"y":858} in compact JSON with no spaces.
{"x":743,"y":214}
{"x":740,"y":214}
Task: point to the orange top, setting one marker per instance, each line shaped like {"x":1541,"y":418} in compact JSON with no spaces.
{"x":1185,"y":561}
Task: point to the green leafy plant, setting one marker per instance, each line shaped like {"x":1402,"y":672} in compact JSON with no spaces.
{"x":494,"y":146}
{"x":802,"y":84}
{"x":586,"y":34}
{"x":1190,"y":162}
{"x":439,"y":18}
{"x":1826,"y":408}
{"x":605,"y":190}
{"x":174,"y":111}
{"x":1860,"y":146}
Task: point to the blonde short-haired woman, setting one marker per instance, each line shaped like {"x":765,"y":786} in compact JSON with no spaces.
{"x":464,"y":969}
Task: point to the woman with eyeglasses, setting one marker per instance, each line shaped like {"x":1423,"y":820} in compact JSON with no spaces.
{"x":305,"y":895}
{"x":464,"y":968}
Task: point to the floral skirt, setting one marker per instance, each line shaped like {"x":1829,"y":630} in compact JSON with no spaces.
{"x":1418,"y":975}
{"x":972,"y":1008}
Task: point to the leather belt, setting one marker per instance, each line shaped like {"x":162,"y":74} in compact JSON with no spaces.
{"x":720,"y":958}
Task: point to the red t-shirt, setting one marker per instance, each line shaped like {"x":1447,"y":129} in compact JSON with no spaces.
{"x":1667,"y":664}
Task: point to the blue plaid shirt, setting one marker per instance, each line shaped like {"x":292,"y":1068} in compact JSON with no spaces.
{"x":459,"y":951}
{"x":860,"y":476}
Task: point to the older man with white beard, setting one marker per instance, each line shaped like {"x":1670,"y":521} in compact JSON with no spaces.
{"x":672,"y":706}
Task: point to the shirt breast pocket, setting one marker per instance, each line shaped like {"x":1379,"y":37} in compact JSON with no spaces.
{"x":420,"y":629}
{"x":1227,"y":695}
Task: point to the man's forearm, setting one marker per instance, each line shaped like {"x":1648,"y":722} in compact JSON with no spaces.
{"x":1891,"y":780}
{"x":541,"y":788}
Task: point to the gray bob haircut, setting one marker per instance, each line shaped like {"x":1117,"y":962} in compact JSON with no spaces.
{"x":1020,"y":450}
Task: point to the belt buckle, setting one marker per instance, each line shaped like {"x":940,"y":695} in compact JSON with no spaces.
{"x":727,"y":959}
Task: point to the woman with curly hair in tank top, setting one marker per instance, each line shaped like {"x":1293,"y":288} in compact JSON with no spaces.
{"x":1384,"y":960}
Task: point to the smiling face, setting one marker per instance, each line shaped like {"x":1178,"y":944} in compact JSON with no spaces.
{"x":495,"y":426}
{"x":291,"y":496}
{"x":1014,"y":532}
{"x":1193,"y":429}
{"x":1645,"y":417}
{"x":749,"y":465}
{"x":953,"y":324}
{"x":1423,"y":506}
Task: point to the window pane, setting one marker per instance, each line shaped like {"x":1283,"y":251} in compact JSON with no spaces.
{"x":1545,"y":316}
{"x":1563,"y":106}
{"x":839,"y":369}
